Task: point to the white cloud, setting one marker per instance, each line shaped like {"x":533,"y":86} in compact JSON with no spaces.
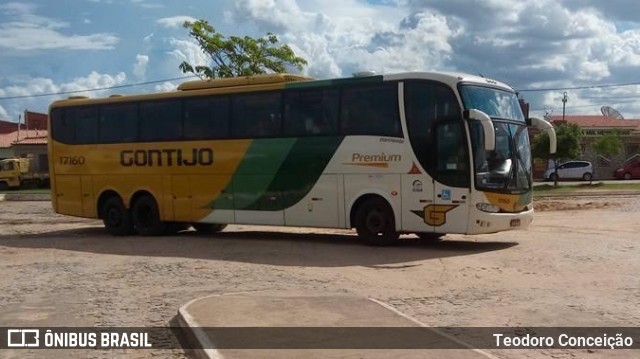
{"x":175,"y":21}
{"x":17,"y":8}
{"x":41,"y":85}
{"x":4,"y":115}
{"x":165,"y":87}
{"x":187,"y":50}
{"x":146,"y":5}
{"x":358,"y":37}
{"x":140,"y":67}
{"x":28,"y":31}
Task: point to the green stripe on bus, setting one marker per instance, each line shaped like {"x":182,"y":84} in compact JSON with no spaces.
{"x":255,"y":173}
{"x":277,"y":174}
{"x":303,"y":167}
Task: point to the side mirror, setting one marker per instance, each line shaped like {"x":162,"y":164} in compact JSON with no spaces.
{"x":544,"y":125}
{"x":487,"y":127}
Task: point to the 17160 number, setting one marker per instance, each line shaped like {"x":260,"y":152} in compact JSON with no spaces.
{"x":72,"y":161}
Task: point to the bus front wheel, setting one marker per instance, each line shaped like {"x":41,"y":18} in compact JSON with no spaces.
{"x":146,"y":217}
{"x":375,"y":223}
{"x":116,"y":218}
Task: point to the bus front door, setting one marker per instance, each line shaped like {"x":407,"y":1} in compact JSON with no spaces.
{"x":450,"y":212}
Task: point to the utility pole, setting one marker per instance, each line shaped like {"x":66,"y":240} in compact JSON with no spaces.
{"x":565,"y":98}
{"x":564,"y":105}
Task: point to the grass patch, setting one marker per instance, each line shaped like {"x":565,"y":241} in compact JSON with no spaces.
{"x":596,"y":186}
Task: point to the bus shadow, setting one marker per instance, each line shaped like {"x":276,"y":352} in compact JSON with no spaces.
{"x":270,"y":248}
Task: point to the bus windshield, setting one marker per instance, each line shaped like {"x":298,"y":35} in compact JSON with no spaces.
{"x":508,"y":168}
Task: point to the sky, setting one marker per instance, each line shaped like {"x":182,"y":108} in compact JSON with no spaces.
{"x":589,"y":49}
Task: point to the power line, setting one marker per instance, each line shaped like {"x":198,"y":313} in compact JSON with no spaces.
{"x":580,"y":87}
{"x":96,"y":89}
{"x":582,"y":106}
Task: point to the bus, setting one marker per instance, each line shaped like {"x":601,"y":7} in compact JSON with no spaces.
{"x":424,"y":153}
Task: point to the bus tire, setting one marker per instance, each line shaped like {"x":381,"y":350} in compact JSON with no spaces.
{"x":209,"y":227}
{"x":146,"y":217}
{"x":375,"y":222}
{"x":4,"y":186}
{"x":173,"y":228}
{"x":430,"y":237}
{"x":116,"y":218}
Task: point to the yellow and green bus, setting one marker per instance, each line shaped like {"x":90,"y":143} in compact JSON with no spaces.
{"x":424,"y":153}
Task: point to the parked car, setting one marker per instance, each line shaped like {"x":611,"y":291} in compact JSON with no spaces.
{"x":628,"y":170}
{"x":571,"y":170}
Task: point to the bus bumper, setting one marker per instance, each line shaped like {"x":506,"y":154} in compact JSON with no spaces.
{"x":483,"y":222}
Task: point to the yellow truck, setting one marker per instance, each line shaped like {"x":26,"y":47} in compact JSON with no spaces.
{"x":20,"y":173}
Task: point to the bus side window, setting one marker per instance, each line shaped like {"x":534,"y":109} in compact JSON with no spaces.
{"x":119,"y":123}
{"x":206,"y":118}
{"x":310,"y":112}
{"x":160,"y":120}
{"x":62,"y":126}
{"x":86,"y":123}
{"x":257,"y":115}
{"x":371,"y":110}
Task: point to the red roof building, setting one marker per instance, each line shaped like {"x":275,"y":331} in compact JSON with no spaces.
{"x":35,"y":120}
{"x":597,"y":122}
{"x":8,"y":126}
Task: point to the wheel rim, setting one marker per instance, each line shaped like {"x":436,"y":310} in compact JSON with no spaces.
{"x":145,"y":215}
{"x":114,"y":217}
{"x":627,"y":176}
{"x":375,"y":222}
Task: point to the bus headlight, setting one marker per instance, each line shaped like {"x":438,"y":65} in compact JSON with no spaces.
{"x":487,"y":207}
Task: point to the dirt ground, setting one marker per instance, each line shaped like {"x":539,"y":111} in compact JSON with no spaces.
{"x":577,"y":265}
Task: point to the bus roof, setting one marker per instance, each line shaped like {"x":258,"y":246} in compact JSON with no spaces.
{"x":279,"y":81}
{"x":241,"y":81}
{"x":450,"y":78}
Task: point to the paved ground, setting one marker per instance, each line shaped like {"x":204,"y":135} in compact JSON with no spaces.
{"x":576,"y":266}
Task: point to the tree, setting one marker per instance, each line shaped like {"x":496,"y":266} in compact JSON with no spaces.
{"x":608,"y":145}
{"x":568,"y":136}
{"x":238,"y":56}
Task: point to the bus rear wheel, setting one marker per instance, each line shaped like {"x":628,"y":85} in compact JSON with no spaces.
{"x":146,"y":217}
{"x":208,"y":227}
{"x":375,"y":223}
{"x":116,"y":218}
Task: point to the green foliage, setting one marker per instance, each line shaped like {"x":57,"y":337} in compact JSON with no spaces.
{"x":608,"y":145}
{"x":568,"y":136}
{"x":239,"y":56}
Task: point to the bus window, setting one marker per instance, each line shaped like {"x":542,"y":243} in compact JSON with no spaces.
{"x":426,"y":104}
{"x":119,"y":123}
{"x":85,"y":120}
{"x":63,"y":129}
{"x":160,"y":120}
{"x":310,"y":112}
{"x":371,"y":110}
{"x":258,"y":115}
{"x":206,"y":118}
{"x":452,"y":159}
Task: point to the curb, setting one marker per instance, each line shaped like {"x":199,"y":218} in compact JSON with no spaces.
{"x":205,"y":348}
{"x":25,"y":197}
{"x":585,"y":194}
{"x":195,"y":335}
